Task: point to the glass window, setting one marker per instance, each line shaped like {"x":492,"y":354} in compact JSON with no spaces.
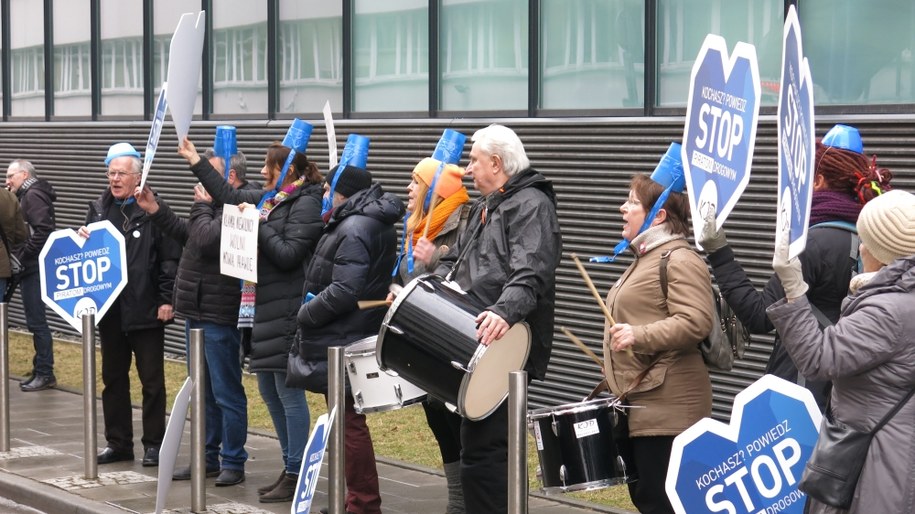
{"x":683,"y":24}
{"x":592,"y":54}
{"x":310,"y":60}
{"x":166,"y":14}
{"x":483,"y":54}
{"x":860,"y":52}
{"x":239,"y":57}
{"x":391,"y":55}
{"x":72,"y":77}
{"x":26,"y":58}
{"x":121,"y":61}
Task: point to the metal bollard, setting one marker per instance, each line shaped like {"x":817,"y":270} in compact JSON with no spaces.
{"x":4,"y":379}
{"x":90,"y":419}
{"x":336,"y":389}
{"x":198,"y":420}
{"x":517,"y":442}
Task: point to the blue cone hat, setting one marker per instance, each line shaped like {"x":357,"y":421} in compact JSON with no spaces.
{"x":298,"y":135}
{"x":356,"y":151}
{"x":669,"y":172}
{"x":844,"y":137}
{"x":225,"y":143}
{"x":450,"y":147}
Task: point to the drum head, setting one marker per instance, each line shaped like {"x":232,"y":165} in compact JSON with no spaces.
{"x":486,"y":387}
{"x":364,"y":346}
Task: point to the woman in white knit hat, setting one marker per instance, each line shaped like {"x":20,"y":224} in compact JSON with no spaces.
{"x":869,"y":354}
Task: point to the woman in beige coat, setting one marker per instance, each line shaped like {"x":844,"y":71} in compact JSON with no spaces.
{"x":658,"y":333}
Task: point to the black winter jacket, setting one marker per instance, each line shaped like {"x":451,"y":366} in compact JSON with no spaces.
{"x":201,"y":292}
{"x":353,"y":262}
{"x":152,"y":261}
{"x":286,"y":242}
{"x":511,"y":266}
{"x":827,"y":265}
{"x":36,"y":198}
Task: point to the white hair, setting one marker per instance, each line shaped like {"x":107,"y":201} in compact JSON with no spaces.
{"x":502,"y":141}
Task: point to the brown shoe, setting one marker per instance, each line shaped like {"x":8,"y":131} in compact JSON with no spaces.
{"x":267,"y":488}
{"x":283,"y":492}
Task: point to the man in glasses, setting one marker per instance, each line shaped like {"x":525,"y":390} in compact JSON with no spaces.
{"x":36,"y":198}
{"x":134,"y":326}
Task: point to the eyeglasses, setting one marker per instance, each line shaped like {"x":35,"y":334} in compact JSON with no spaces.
{"x":13,"y":174}
{"x":119,"y":174}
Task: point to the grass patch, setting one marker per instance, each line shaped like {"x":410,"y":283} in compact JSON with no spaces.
{"x":401,"y":434}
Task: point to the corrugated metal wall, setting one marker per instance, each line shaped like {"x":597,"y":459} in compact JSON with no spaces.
{"x":589,"y":160}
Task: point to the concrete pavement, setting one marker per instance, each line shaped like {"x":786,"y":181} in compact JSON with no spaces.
{"x":44,"y":469}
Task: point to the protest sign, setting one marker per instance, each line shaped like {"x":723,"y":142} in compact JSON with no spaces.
{"x":238,"y":243}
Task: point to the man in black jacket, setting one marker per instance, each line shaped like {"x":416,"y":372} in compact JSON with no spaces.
{"x":511,"y":247}
{"x":36,"y":196}
{"x":134,"y":326}
{"x":352,"y":262}
{"x":209,"y":300}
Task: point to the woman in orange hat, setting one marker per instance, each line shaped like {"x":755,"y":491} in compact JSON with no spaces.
{"x":432,"y":225}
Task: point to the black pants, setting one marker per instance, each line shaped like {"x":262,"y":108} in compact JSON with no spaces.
{"x":484,"y":463}
{"x":118,"y":347}
{"x":446,"y":427}
{"x":651,"y":456}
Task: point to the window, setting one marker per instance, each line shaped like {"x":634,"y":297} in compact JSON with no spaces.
{"x":26,"y":58}
{"x":391,"y":55}
{"x":310,"y":60}
{"x":239,"y":57}
{"x":860,"y":52}
{"x":592,"y":54}
{"x":683,"y":24}
{"x":483,"y":55}
{"x":121,"y":59}
{"x":72,"y":77}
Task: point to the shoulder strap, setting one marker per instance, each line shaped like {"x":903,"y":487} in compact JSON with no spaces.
{"x":855,"y":241}
{"x":893,"y":412}
{"x":662,"y":269}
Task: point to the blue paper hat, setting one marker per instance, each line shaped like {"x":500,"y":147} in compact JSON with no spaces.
{"x":356,"y":151}
{"x":121,"y":150}
{"x":450,"y":147}
{"x":298,"y":135}
{"x":669,"y":172}
{"x":844,"y":137}
{"x":225,"y":144}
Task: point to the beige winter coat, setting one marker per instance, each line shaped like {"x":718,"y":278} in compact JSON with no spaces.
{"x":677,"y":391}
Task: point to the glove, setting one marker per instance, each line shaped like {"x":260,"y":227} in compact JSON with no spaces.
{"x":788,"y":271}
{"x":711,"y":239}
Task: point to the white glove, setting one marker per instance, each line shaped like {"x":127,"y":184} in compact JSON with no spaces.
{"x":788,"y":271}
{"x":711,"y":239}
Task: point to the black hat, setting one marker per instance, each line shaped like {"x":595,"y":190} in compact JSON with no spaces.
{"x":352,"y":180}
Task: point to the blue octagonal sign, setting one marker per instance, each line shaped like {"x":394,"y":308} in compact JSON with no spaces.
{"x":83,"y":276}
{"x":752,"y":465}
{"x":719,"y":135}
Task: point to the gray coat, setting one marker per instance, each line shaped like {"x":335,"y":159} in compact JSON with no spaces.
{"x":869,"y":354}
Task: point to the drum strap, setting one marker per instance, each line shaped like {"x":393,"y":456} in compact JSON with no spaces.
{"x":638,"y":380}
{"x":464,"y":250}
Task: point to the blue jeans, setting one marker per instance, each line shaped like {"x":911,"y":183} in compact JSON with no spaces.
{"x":226,"y":402}
{"x":37,"y":323}
{"x":289,"y":411}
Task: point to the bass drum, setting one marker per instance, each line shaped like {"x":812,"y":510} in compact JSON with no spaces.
{"x":429,"y":337}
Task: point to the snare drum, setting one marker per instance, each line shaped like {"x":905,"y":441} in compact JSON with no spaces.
{"x":429,"y":337}
{"x":375,"y":390}
{"x":582,"y":446}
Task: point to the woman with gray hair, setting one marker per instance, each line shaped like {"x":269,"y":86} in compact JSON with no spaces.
{"x":868,"y":354}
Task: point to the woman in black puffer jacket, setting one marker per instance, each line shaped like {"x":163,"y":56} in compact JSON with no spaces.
{"x":289,"y":231}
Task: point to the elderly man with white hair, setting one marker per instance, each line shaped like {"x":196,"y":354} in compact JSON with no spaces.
{"x":134,"y":326}
{"x":511,"y":248}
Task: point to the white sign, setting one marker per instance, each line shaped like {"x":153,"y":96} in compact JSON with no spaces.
{"x":331,"y":136}
{"x":171,"y":442}
{"x":238,"y":243}
{"x":154,"y":132}
{"x":184,"y":55}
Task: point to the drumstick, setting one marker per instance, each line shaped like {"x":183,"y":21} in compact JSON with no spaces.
{"x":600,"y":301}
{"x":371,"y":304}
{"x":581,"y":345}
{"x":429,"y":215}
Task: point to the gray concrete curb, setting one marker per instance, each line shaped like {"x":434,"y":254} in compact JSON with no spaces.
{"x":48,"y":498}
